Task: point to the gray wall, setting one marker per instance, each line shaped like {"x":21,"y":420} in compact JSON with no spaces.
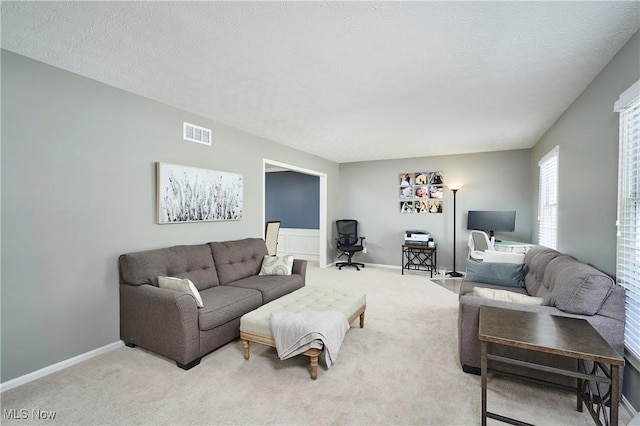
{"x":492,"y":181}
{"x":293,"y":198}
{"x":587,"y":134}
{"x":78,"y":189}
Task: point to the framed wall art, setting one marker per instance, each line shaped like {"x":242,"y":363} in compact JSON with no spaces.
{"x":190,"y":194}
{"x":421,"y":192}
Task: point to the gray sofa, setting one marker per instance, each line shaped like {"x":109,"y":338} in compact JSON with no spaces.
{"x":569,"y":288}
{"x":226,"y":275}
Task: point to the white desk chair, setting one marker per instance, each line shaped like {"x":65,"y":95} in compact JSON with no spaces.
{"x":271,"y":231}
{"x":479,"y":242}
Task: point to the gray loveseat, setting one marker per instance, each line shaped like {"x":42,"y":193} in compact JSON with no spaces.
{"x":569,"y":288}
{"x":226,"y":275}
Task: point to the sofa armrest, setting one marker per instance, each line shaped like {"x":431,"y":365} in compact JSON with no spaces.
{"x":160,"y":320}
{"x":300,"y":268}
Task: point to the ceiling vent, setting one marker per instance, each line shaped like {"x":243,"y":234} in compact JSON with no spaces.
{"x":196,"y":134}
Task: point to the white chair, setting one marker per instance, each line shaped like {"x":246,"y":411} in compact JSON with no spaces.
{"x":479,"y":242}
{"x":271,"y":231}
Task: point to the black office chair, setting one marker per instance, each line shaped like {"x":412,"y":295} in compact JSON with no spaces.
{"x":349,"y":242}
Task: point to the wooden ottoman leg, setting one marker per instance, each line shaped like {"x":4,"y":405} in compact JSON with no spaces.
{"x":314,"y":367}
{"x":245,"y":349}
{"x":362,"y":320}
{"x":313,"y":355}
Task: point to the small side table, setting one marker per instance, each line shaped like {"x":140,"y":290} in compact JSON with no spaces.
{"x":419,"y":258}
{"x":568,"y":337}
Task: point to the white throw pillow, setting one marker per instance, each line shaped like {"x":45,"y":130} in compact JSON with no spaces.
{"x":277,"y":265}
{"x":183,"y":285}
{"x":506,"y":296}
{"x":492,"y":256}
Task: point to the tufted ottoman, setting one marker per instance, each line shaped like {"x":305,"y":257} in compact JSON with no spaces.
{"x":254,"y":326}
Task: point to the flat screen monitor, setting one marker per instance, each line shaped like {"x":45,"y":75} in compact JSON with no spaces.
{"x":492,"y":220}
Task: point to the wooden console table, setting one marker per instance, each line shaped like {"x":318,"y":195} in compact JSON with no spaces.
{"x":568,"y":337}
{"x":419,"y":258}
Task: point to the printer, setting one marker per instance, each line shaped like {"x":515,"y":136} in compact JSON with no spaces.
{"x":416,"y":237}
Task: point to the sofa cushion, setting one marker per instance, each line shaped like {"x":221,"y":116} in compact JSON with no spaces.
{"x":277,"y":265}
{"x":238,"y":259}
{"x":535,"y":263}
{"x":271,"y":286}
{"x":507,"y":274}
{"x":507,"y":296}
{"x":182,"y":285}
{"x":576,"y":287}
{"x":223,"y":304}
{"x":550,"y":277}
{"x":194,"y":262}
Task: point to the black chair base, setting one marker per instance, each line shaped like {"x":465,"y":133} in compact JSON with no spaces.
{"x":356,"y":265}
{"x":353,"y":264}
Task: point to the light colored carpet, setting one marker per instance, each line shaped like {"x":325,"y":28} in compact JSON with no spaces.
{"x":402,"y":368}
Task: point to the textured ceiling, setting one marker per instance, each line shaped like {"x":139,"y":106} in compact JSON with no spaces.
{"x":347,"y":81}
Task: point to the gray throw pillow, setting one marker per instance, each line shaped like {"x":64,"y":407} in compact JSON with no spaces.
{"x":507,"y":274}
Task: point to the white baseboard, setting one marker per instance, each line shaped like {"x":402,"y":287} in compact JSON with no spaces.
{"x":382,"y":265}
{"x":59,"y":366}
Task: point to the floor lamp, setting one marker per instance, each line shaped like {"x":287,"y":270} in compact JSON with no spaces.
{"x":454,"y":273}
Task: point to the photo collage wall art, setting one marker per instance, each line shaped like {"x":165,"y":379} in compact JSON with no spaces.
{"x":421,"y":192}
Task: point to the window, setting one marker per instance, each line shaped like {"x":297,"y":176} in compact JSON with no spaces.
{"x":548,"y":204}
{"x":628,"y":245}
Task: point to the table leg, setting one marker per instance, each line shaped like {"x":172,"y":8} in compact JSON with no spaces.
{"x":314,"y":366}
{"x":435,"y":258}
{"x":483,"y":372}
{"x":579,"y":403}
{"x":431,"y":268}
{"x":615,"y":395}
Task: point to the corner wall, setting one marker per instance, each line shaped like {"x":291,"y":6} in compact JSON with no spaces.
{"x":587,"y":134}
{"x":78,"y":189}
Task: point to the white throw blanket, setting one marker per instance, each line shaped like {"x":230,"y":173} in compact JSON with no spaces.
{"x":294,"y":333}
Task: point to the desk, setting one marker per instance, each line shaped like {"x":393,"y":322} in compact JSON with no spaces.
{"x":419,"y":258}
{"x":512,"y":246}
{"x":568,"y":337}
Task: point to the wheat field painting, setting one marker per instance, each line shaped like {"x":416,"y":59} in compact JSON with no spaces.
{"x":190,"y":194}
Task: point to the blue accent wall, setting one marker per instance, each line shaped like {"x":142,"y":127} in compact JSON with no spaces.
{"x":293,"y":198}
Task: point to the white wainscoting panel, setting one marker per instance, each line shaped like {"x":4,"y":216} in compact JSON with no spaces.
{"x":301,"y":243}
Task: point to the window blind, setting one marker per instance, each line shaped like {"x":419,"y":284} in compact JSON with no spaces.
{"x":548,"y":203}
{"x":628,"y":235}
